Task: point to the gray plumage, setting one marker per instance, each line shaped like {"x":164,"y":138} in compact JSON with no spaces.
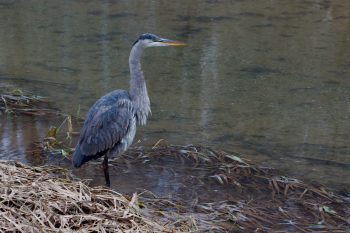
{"x":110,"y":124}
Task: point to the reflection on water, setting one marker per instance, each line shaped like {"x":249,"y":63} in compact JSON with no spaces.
{"x":265,"y":78}
{"x":17,"y":137}
{"x":167,"y":177}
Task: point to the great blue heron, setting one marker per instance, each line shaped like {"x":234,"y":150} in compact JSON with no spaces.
{"x":110,"y":124}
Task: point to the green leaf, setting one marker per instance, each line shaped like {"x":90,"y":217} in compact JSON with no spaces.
{"x":17,"y":92}
{"x":65,"y":153}
{"x":327,"y":209}
{"x":52,"y":132}
{"x":235,"y":158}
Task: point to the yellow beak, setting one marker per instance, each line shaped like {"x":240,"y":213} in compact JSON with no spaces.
{"x":172,"y":42}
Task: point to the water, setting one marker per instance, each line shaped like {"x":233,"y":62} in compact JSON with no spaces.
{"x":268,"y":79}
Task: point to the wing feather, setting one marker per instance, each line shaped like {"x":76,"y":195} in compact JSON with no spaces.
{"x":106,"y":124}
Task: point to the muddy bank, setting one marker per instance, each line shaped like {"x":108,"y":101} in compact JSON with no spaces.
{"x":46,"y":199}
{"x":248,"y":198}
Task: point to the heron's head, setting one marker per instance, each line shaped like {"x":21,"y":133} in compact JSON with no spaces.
{"x":151,"y":40}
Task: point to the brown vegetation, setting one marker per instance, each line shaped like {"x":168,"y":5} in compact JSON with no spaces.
{"x":49,"y":199}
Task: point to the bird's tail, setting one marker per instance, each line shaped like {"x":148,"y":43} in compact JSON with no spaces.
{"x":78,"y":157}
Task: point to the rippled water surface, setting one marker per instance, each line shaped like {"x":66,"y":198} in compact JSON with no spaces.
{"x":269,"y":79}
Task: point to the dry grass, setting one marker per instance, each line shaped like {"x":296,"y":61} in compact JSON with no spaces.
{"x":46,"y":199}
{"x":17,"y":101}
{"x":279,"y":203}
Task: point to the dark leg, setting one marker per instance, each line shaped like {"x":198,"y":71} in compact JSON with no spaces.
{"x":105,"y":170}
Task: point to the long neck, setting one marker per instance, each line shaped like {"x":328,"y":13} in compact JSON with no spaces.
{"x":138,"y":89}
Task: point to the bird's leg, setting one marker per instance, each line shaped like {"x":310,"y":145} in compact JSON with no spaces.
{"x":105,"y":170}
